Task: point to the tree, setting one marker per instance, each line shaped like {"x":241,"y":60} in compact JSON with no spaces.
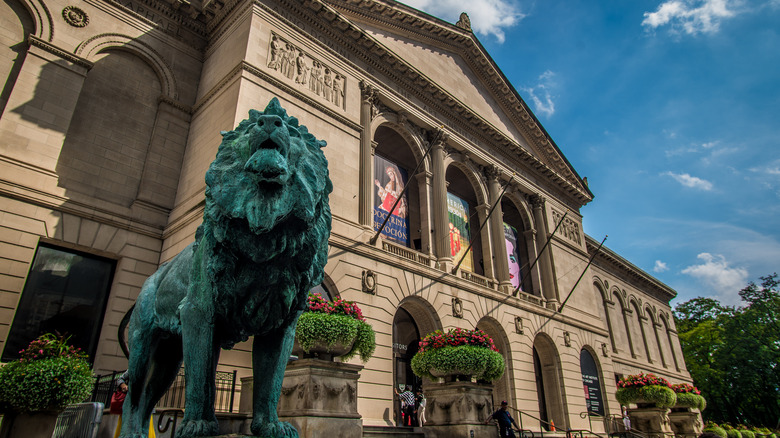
{"x":733,"y":353}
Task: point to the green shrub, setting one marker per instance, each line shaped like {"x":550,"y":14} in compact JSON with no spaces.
{"x":480,"y":362}
{"x":691,"y":400}
{"x":747,"y":433}
{"x":47,"y":384}
{"x":331,"y":329}
{"x":662,"y":396}
{"x":733,"y":433}
{"x":717,"y":430}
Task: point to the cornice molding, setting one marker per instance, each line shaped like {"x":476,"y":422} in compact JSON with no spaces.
{"x":34,"y":41}
{"x":463,"y":42}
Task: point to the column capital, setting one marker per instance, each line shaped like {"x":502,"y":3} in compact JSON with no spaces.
{"x":492,"y":172}
{"x":438,"y":137}
{"x":537,"y":201}
{"x":368,"y":92}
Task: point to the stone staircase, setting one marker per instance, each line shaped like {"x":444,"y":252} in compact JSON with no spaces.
{"x":392,"y":432}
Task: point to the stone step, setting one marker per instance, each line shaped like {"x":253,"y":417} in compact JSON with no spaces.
{"x":392,"y":432}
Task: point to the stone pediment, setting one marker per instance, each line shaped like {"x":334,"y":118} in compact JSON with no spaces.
{"x":447,"y":62}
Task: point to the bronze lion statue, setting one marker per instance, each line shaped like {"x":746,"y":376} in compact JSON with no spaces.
{"x":262,"y":246}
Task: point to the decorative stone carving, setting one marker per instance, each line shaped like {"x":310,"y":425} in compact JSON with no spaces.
{"x":464,"y":22}
{"x":369,"y":281}
{"x":569,"y":228}
{"x":604,"y":351}
{"x":75,"y":16}
{"x":458,"y":409}
{"x":519,"y":325}
{"x":457,"y":307}
{"x":492,"y":172}
{"x":306,"y":71}
{"x":567,"y":339}
{"x":318,"y":397}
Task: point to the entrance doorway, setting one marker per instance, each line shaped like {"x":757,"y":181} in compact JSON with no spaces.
{"x":549,"y":384}
{"x":406,"y":341}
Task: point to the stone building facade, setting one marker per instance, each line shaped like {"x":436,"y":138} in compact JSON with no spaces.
{"x":112,"y":111}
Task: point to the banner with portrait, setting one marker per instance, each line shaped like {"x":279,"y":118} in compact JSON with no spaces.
{"x":513,"y":254}
{"x":460,"y":236}
{"x":390,"y":180}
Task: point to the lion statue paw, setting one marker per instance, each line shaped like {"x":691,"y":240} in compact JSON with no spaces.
{"x":197,"y":428}
{"x":278,"y":429}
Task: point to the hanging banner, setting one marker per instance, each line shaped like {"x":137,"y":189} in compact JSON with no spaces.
{"x":513,"y":254}
{"x":591,"y":384}
{"x":460,"y":237}
{"x":390,"y":181}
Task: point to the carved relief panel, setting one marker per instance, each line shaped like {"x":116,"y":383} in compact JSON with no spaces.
{"x":306,"y":72}
{"x":569,"y":229}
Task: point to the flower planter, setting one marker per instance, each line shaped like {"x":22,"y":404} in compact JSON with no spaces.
{"x":459,"y":355}
{"x":321,"y":350}
{"x":333,"y":329}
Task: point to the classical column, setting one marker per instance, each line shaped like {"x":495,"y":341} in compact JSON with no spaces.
{"x":485,"y":235}
{"x":545,"y":261}
{"x":365,"y":208}
{"x":440,"y":219}
{"x":501,"y":258}
{"x":535,"y":283}
{"x":424,"y":182}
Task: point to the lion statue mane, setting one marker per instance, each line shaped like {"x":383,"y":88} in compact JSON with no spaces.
{"x":262,"y":246}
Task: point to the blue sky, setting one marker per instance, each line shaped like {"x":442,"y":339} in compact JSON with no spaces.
{"x":672,"y":111}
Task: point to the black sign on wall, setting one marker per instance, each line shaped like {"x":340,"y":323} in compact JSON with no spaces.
{"x":591,"y":383}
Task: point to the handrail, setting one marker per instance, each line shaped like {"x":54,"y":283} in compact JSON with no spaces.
{"x":520,"y":416}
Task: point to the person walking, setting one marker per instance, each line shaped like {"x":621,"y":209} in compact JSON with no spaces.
{"x":421,"y":402}
{"x":505,"y":421}
{"x":407,"y":406}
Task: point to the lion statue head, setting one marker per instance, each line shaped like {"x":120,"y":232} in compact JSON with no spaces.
{"x":267,"y":199}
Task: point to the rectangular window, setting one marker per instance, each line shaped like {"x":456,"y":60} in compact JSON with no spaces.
{"x":66,"y":293}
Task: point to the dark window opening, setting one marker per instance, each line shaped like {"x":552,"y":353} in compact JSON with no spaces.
{"x":66,"y":292}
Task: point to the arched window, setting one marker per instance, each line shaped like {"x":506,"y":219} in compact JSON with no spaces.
{"x":517,"y":248}
{"x":106,"y":144}
{"x":591,"y":382}
{"x":463,"y":222}
{"x":393,"y":161}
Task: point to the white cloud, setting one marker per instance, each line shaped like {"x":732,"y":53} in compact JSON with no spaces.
{"x":690,"y":16}
{"x":488,"y":17}
{"x":660,"y":266}
{"x":690,"y":181}
{"x":540,"y":94}
{"x":715,"y":272}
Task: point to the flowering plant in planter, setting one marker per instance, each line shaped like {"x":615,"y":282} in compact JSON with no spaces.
{"x":49,"y":376}
{"x":458,"y":352}
{"x":332,"y":324}
{"x":645,"y":389}
{"x":688,"y":396}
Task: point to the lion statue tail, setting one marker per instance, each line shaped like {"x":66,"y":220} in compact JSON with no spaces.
{"x":121,"y":332}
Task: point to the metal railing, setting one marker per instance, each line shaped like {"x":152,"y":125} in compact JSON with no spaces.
{"x":225,"y":381}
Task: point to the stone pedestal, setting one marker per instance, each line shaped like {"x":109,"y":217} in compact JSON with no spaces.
{"x":318,"y":397}
{"x":686,"y":421}
{"x":456,"y":409}
{"x":650,"y":420}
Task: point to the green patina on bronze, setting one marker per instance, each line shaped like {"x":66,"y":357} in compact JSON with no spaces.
{"x":262,"y":246}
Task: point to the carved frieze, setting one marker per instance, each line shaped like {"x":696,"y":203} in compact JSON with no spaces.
{"x":306,"y":71}
{"x":568,"y":229}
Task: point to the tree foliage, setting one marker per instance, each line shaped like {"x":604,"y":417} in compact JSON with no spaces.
{"x":733,"y":353}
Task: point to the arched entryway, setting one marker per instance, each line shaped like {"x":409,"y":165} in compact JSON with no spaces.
{"x":414,"y":319}
{"x":549,"y":383}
